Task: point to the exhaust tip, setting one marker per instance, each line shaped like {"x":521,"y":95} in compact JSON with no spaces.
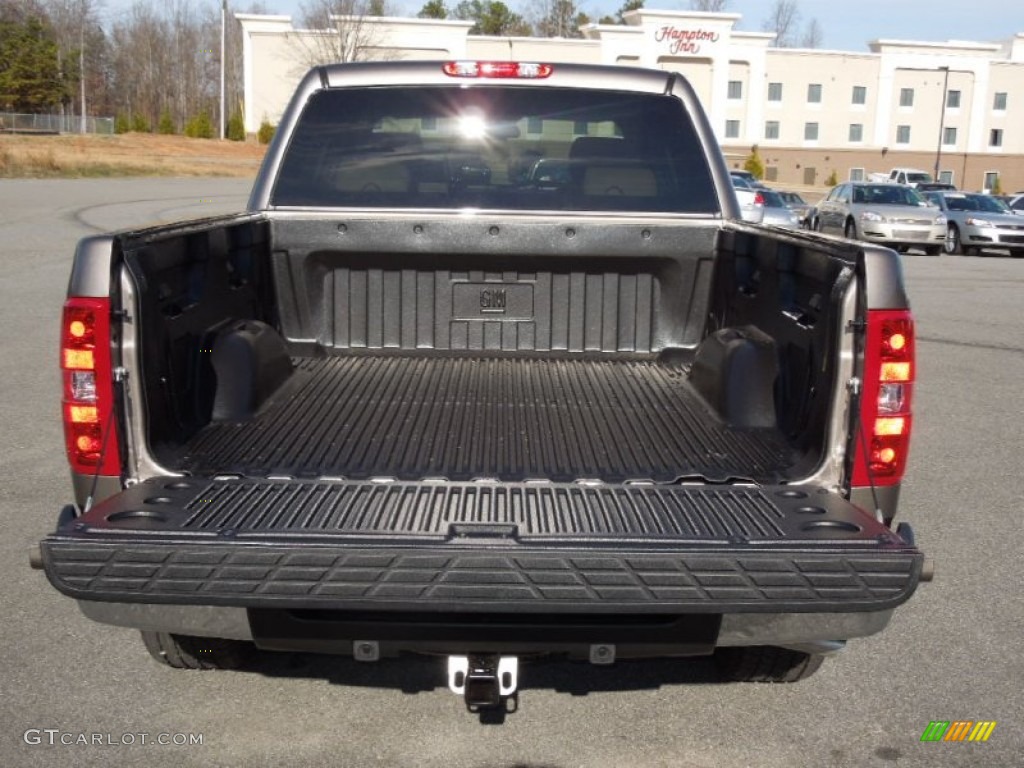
{"x":927,"y":570}
{"x":35,"y":558}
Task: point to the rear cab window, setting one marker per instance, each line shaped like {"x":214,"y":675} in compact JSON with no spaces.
{"x":495,"y":147}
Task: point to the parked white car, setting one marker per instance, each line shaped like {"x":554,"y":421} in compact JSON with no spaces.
{"x":751,"y":200}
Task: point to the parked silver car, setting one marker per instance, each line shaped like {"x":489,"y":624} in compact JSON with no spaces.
{"x":800,"y":206}
{"x":751,"y":200}
{"x":890,"y":214}
{"x":1016,"y":204}
{"x":776,"y":212}
{"x":978,"y":221}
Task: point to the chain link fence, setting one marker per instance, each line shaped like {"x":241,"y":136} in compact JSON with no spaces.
{"x":12,"y":122}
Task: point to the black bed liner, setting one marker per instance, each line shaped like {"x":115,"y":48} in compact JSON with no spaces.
{"x":467,"y":418}
{"x":350,"y":545}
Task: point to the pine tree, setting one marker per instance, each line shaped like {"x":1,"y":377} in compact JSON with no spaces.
{"x":166,"y":124}
{"x":265,"y":133}
{"x":30,"y":79}
{"x":236,"y":127}
{"x":200,"y":126}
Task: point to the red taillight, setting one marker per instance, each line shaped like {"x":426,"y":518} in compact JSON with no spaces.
{"x":885,"y":403}
{"x":88,"y":400}
{"x":507,"y":69}
{"x":758,"y":198}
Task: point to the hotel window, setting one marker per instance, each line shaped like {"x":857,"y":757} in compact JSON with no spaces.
{"x":856,"y":132}
{"x":810,"y":131}
{"x":902,"y":134}
{"x":856,"y":174}
{"x":771,"y":129}
{"x":580,"y":128}
{"x":732,"y":129}
{"x":860,"y":95}
{"x":735,"y":89}
{"x":953,"y":99}
{"x":774,"y":91}
{"x":906,"y":97}
{"x":949,"y":137}
{"x":995,"y":137}
{"x":814,"y":93}
{"x":999,"y":103}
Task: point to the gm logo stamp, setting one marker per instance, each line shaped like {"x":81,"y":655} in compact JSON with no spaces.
{"x":505,"y":302}
{"x":493,"y":300}
{"x":958,"y":730}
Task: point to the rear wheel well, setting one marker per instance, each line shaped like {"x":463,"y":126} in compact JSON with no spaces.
{"x":188,"y":652}
{"x":766,"y":664}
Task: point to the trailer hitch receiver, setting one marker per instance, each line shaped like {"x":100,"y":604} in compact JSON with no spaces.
{"x":484,"y":680}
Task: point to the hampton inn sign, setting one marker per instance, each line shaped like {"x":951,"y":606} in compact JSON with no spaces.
{"x":679,"y":41}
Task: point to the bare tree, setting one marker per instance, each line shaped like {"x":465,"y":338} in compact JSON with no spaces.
{"x":714,"y":6}
{"x":813,"y":35}
{"x":557,"y":18}
{"x":783,"y":21}
{"x":74,"y":24}
{"x":339,"y":31}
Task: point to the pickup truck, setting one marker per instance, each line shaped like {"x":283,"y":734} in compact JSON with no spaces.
{"x":909,"y":176}
{"x":416,"y":399}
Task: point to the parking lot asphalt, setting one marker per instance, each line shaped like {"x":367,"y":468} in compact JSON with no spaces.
{"x":952,"y":653}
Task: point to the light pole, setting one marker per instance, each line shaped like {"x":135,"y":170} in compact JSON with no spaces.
{"x":223,"y":45}
{"x":81,"y":70}
{"x":942,"y":121}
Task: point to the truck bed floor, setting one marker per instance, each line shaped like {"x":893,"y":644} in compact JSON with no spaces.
{"x":510,"y":419}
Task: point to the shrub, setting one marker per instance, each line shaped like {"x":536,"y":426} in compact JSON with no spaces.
{"x":166,"y":124}
{"x":236,"y":127}
{"x":997,"y":187}
{"x":200,"y":126}
{"x":140,"y":124}
{"x":266,"y":132}
{"x":753,"y":164}
{"x":832,"y":179}
{"x":121,"y":123}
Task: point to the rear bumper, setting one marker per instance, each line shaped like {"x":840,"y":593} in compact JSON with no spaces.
{"x":614,"y":550}
{"x":738,"y":629}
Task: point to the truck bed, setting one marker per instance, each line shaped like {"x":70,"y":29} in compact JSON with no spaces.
{"x":466,"y":418}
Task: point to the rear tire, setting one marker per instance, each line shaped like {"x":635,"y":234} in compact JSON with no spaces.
{"x":850,"y":231}
{"x":765,"y":664}
{"x":188,"y":652}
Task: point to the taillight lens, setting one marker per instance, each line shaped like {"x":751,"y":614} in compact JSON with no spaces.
{"x":758,"y":198}
{"x":502,"y":69}
{"x":88,"y":397}
{"x":886,"y":399}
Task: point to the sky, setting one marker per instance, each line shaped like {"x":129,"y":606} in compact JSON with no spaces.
{"x":848,"y":25}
